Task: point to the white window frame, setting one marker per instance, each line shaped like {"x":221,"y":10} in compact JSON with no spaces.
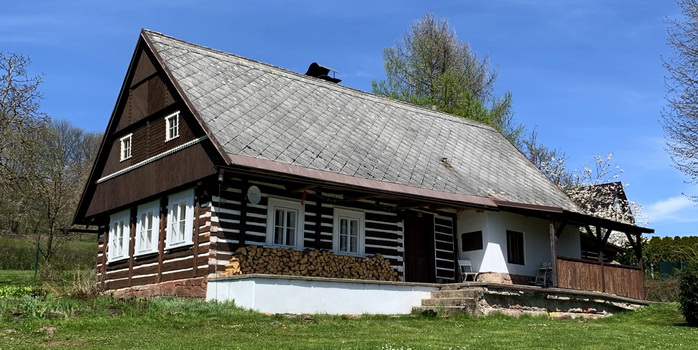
{"x":125,"y":150}
{"x":173,"y":203}
{"x":339,"y":214}
{"x":169,"y":125}
{"x":144,"y":209}
{"x":277,"y":203}
{"x":122,"y":218}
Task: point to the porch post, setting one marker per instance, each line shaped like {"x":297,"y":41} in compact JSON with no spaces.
{"x":553,"y":253}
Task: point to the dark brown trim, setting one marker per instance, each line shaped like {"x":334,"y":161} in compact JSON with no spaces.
{"x":242,"y":239}
{"x":133,"y":216}
{"x":553,"y":251}
{"x":318,"y":218}
{"x":162,"y":235}
{"x":195,"y":230}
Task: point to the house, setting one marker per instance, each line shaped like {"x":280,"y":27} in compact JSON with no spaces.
{"x":207,"y":153}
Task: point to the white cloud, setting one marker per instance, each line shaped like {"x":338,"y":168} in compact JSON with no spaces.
{"x":673,"y":209}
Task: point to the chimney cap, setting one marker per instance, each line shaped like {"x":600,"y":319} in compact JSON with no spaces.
{"x":318,"y":71}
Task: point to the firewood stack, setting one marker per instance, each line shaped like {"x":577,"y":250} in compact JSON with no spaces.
{"x":314,"y":263}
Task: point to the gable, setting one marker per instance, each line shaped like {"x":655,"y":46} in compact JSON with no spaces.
{"x":157,"y":162}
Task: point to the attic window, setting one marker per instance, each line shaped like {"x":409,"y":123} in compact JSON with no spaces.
{"x":126,"y":142}
{"x":172,"y":126}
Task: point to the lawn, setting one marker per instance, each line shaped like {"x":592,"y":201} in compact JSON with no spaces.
{"x":167,"y":323}
{"x":16,"y":278}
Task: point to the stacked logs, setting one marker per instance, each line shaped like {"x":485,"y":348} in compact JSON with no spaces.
{"x":314,"y":263}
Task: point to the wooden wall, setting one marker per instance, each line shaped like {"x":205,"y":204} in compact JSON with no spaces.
{"x":384,"y":226}
{"x":185,"y":166}
{"x":226,"y":221}
{"x":588,"y":275}
{"x":179,"y":263}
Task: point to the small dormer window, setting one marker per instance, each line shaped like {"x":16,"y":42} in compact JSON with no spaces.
{"x":126,"y":142}
{"x":172,"y":126}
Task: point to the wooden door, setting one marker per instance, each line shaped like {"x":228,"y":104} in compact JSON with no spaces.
{"x":419,"y":248}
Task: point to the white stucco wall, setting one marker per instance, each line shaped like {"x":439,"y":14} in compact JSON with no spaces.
{"x":493,"y":256}
{"x":300,"y":296}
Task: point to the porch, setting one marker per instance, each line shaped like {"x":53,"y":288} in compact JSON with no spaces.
{"x":299,"y":295}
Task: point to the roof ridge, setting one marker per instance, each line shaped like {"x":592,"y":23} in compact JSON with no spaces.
{"x":319,"y":82}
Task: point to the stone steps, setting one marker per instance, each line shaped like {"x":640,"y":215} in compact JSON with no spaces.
{"x":451,"y":299}
{"x":457,"y":293}
{"x":436,"y":302}
{"x":447,"y":310}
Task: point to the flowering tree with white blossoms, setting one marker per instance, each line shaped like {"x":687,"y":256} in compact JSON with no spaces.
{"x":595,"y":188}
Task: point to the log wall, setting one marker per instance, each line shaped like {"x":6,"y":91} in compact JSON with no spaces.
{"x":383,"y":227}
{"x":186,"y":262}
{"x":588,"y":275}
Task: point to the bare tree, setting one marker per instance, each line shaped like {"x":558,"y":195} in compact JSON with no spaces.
{"x":20,"y":120}
{"x":61,"y":169}
{"x":43,"y":163}
{"x":680,"y":118}
{"x":431,"y":67}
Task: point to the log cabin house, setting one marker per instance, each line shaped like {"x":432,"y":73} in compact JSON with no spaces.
{"x":209,"y":157}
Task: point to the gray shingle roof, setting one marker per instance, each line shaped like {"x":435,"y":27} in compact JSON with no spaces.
{"x":261,"y":111}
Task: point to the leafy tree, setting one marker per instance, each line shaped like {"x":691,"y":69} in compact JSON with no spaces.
{"x":680,"y":119}
{"x":432,"y":68}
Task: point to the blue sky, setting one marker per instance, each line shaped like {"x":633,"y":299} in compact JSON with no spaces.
{"x":587,"y":74}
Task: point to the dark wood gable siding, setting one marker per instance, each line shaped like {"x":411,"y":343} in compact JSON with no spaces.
{"x":148,"y":97}
{"x":148,"y":139}
{"x":147,"y":93}
{"x":185,"y":166}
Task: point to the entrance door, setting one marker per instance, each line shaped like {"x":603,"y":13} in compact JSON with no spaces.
{"x":419,"y":247}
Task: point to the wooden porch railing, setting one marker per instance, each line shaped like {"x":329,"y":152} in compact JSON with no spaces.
{"x":621,"y":280}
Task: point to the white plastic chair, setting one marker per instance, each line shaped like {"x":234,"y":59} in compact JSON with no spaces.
{"x":466,"y":271}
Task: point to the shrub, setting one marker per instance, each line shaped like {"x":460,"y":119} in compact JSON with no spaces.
{"x":688,"y":295}
{"x":663,"y":290}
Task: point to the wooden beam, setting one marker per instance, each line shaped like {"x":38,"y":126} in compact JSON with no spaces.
{"x":559,"y":230}
{"x":601,"y":240}
{"x":553,"y":253}
{"x":318,"y":220}
{"x":299,"y":189}
{"x":359,"y":198}
{"x":408,"y":204}
{"x":243,"y":212}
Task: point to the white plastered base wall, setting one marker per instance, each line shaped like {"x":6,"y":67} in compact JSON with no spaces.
{"x":297,"y":295}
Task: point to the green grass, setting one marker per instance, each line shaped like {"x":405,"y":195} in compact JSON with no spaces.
{"x":17,"y":278}
{"x":167,"y":323}
{"x":18,"y":253}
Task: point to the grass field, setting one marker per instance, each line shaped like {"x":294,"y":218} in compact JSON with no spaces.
{"x":166,"y":323}
{"x":19,"y":253}
{"x":16,"y":278}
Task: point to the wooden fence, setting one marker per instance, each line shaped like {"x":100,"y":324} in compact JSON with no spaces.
{"x":621,"y":280}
